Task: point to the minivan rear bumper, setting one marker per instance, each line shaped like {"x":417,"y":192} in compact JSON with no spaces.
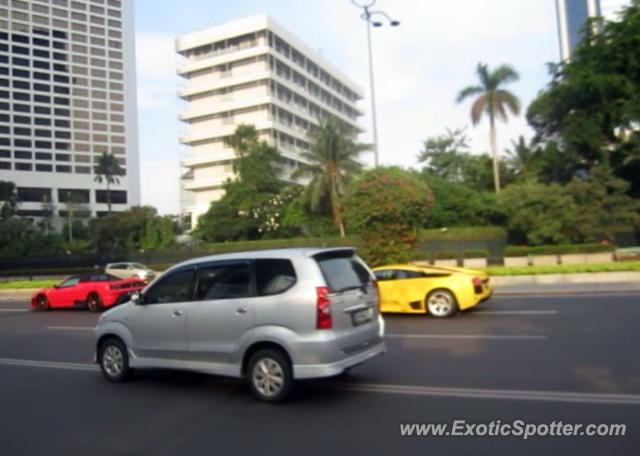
{"x":328,"y":370}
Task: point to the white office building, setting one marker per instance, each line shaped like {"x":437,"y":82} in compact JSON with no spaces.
{"x":67,"y":94}
{"x":251,"y":71}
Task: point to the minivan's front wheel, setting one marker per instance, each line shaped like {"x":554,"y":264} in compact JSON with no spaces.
{"x":113,"y":359}
{"x":269,"y":375}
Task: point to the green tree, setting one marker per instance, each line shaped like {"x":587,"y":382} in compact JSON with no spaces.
{"x":386,"y":206}
{"x":591,"y":107}
{"x":459,"y":205}
{"x":333,"y":155}
{"x":19,"y":237}
{"x":8,"y":199}
{"x":493,"y":100}
{"x":244,"y":212}
{"x":446,"y":155}
{"x":158,"y":233}
{"x":108,"y":169}
{"x":120,"y":231}
{"x":538,"y":213}
{"x":522,"y":159}
{"x":603,"y":205}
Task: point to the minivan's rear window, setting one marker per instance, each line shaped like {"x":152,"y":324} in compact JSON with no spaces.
{"x":343,"y":272}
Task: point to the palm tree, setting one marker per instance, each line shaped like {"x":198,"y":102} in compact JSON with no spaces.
{"x":333,"y":156}
{"x":108,"y":169}
{"x":521,"y":158}
{"x":493,"y":100}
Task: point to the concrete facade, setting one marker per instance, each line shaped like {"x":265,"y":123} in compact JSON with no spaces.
{"x":252,"y":71}
{"x":67,"y":94}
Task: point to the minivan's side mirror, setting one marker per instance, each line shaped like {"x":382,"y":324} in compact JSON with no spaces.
{"x":136,"y":297}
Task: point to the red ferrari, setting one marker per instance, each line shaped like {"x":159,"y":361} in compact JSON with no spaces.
{"x":92,"y":291}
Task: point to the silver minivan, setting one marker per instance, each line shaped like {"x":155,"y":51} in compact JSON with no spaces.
{"x":271,"y":316}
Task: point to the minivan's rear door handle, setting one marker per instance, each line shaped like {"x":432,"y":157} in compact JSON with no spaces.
{"x":177,"y":313}
{"x":241,"y":310}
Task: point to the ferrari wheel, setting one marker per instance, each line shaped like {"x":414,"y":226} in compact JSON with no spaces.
{"x":42,"y":303}
{"x":94,"y":302}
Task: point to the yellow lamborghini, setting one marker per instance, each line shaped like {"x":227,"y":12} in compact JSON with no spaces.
{"x":437,"y":290}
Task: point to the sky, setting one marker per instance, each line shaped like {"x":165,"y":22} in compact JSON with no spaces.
{"x":419,"y":68}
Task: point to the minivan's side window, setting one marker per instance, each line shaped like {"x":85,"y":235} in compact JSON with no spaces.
{"x":224,"y":281}
{"x":274,"y":276}
{"x":175,"y":287}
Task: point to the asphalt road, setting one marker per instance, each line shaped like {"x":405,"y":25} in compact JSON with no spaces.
{"x":531,"y":358}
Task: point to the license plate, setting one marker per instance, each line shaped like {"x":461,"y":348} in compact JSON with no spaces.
{"x":362,"y":316}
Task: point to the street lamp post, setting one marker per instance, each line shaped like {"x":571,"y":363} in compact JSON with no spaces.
{"x":366,"y":15}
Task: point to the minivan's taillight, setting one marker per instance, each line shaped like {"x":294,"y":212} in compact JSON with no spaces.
{"x":323,"y":309}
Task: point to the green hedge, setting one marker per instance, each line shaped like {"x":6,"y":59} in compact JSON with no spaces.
{"x":562,"y":249}
{"x":472,"y":233}
{"x":446,"y":255}
{"x":48,"y":271}
{"x":476,"y":253}
{"x":222,"y":247}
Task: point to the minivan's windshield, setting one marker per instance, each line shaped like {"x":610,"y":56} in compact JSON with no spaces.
{"x":343,"y":272}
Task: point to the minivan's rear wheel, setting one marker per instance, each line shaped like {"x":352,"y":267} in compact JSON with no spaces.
{"x":113,"y":359}
{"x":441,"y":303}
{"x":94,"y":302}
{"x":269,"y":375}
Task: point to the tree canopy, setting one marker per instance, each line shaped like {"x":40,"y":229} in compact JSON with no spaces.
{"x":591,"y":107}
{"x":249,"y":207}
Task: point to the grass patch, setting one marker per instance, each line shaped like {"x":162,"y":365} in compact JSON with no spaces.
{"x":564,"y":268}
{"x":21,"y":284}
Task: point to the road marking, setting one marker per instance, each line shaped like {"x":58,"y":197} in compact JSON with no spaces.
{"x":71,"y":328}
{"x":525,"y":395}
{"x":48,"y":364}
{"x":413,"y":390}
{"x":466,"y":336}
{"x":513,"y":312}
{"x":14,"y":310}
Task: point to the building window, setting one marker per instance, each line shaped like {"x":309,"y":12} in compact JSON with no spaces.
{"x":41,"y":167}
{"x":117,"y":196}
{"x":23,"y":166}
{"x":41,"y":53}
{"x":22,"y":142}
{"x":34,"y":194}
{"x":75,"y":195}
{"x":39,"y":64}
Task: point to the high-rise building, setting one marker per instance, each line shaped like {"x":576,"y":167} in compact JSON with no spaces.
{"x":67,"y":95}
{"x":252,"y":71}
{"x":572,"y":17}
